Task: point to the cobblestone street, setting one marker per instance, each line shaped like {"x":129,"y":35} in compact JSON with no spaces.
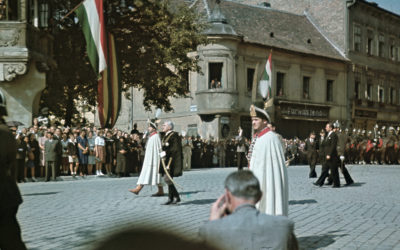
{"x":77,"y":214}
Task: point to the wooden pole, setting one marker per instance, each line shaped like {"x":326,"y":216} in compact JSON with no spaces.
{"x":254,"y":87}
{"x":71,"y":11}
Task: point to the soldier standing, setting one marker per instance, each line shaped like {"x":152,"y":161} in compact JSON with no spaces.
{"x":10,"y":197}
{"x":187,"y":153}
{"x":197,"y":151}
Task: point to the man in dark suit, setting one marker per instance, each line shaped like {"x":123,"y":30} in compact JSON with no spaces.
{"x":10,"y":197}
{"x":311,"y":148}
{"x":172,"y":146}
{"x":330,"y":158}
{"x":52,"y":149}
{"x":341,"y":145}
{"x":235,"y":223}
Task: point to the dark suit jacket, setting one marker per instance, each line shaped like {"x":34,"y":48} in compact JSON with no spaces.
{"x":247,"y":228}
{"x":330,"y":144}
{"x":172,"y":145}
{"x":10,"y":196}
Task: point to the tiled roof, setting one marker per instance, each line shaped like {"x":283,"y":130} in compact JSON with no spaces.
{"x":274,"y":28}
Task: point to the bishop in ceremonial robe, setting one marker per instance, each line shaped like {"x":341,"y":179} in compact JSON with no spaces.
{"x":267,"y":162}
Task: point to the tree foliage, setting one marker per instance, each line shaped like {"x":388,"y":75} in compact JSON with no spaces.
{"x":153,"y":39}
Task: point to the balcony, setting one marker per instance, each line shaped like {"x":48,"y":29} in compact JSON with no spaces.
{"x":217,"y":101}
{"x":20,"y":42}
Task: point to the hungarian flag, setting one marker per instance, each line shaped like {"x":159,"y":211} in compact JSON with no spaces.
{"x":265,"y":85}
{"x":102,"y":56}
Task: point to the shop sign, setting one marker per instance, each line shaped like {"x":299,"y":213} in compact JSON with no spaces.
{"x":305,"y":111}
{"x":224,"y":120}
{"x":365,"y":113}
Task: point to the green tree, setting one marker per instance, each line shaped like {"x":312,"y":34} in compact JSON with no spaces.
{"x":153,"y":40}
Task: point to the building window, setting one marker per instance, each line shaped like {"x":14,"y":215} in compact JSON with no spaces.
{"x":280,"y":79}
{"x":392,"y":95}
{"x":369,"y":92}
{"x":215,"y":75}
{"x":381,"y":94}
{"x":370,"y":42}
{"x":357,"y":85}
{"x":381,"y":45}
{"x":306,"y":87}
{"x":329,"y":90}
{"x":8,"y":10}
{"x":43,"y":14}
{"x":357,"y":38}
{"x":250,"y":77}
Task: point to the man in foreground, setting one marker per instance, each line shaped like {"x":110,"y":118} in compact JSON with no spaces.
{"x":10,"y":197}
{"x":235,"y":223}
{"x":267,"y":162}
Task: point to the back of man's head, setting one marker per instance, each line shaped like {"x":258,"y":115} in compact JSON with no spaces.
{"x":243,"y":184}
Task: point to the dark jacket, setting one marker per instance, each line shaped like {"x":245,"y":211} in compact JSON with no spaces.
{"x":9,"y":192}
{"x":172,"y":145}
{"x":330,"y":144}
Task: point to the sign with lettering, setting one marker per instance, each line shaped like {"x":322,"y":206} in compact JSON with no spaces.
{"x":306,"y":111}
{"x":365,"y":113}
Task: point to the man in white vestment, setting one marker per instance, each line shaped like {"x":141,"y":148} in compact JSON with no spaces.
{"x":150,"y":170}
{"x":267,"y":162}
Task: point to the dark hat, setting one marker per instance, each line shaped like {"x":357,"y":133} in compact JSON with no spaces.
{"x":258,"y":112}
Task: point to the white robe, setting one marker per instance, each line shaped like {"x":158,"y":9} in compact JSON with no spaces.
{"x":268,"y":165}
{"x":149,"y":174}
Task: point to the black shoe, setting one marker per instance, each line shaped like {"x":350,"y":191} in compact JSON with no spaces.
{"x":350,"y":183}
{"x":177,"y":200}
{"x":170,"y":201}
{"x":316,"y":184}
{"x":335,"y":186}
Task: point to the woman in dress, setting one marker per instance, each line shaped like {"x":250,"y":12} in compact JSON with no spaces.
{"x":83,"y":152}
{"x":92,"y":156}
{"x":99,"y":149}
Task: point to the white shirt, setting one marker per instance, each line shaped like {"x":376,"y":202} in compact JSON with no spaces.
{"x":99,"y":141}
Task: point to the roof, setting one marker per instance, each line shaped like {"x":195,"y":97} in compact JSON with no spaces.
{"x":273,"y":28}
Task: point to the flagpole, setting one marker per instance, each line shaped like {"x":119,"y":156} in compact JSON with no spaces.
{"x":71,"y":11}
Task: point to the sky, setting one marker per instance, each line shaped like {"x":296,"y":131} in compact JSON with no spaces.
{"x":390,"y":5}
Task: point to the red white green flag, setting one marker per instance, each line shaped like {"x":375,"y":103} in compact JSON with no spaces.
{"x":90,"y":15}
{"x":265,"y":84}
{"x":103,"y":58}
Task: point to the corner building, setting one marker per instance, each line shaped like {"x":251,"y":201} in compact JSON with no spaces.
{"x":309,"y":74}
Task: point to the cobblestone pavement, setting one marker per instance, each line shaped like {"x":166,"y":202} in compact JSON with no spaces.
{"x":77,"y":214}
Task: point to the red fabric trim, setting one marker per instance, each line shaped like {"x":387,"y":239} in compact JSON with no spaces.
{"x":99,"y":6}
{"x":262,"y":132}
{"x":153,"y":133}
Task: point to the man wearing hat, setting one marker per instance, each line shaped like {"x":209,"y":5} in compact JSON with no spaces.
{"x":10,"y":197}
{"x":151,"y":164}
{"x":267,"y":162}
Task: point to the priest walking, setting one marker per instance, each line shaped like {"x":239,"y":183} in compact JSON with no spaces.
{"x":267,"y":162}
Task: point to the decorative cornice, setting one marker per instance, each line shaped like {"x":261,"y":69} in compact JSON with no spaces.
{"x":8,"y":71}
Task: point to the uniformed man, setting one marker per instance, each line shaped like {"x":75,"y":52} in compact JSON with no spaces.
{"x":10,"y":197}
{"x":172,"y":146}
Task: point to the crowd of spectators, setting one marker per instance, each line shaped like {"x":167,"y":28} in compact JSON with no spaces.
{"x":92,"y":151}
